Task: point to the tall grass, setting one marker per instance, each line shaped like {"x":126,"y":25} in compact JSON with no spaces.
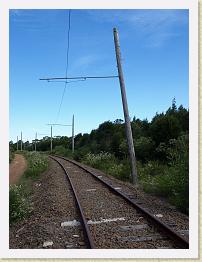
{"x":19,"y":195}
{"x":170,"y":180}
{"x":109,"y":164}
{"x":19,"y":206}
{"x":37,"y":163}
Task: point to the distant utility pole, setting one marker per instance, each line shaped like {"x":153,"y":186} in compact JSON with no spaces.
{"x":21,"y":141}
{"x":35,"y":141}
{"x":17,"y":143}
{"x":125,"y":109}
{"x":51,"y":144}
{"x":51,"y":138}
{"x":51,"y":132}
{"x":73,"y":134}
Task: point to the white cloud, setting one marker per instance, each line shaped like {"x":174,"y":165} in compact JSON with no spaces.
{"x":33,"y":20}
{"x":159,"y":24}
{"x":85,"y":61}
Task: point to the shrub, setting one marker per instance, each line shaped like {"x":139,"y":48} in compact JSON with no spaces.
{"x":99,"y":160}
{"x":109,"y":164}
{"x":144,"y":147}
{"x":62,"y":151}
{"x":115,"y":169}
{"x":37,"y":163}
{"x":18,"y":205}
{"x":171,"y":180}
{"x":151,"y":168}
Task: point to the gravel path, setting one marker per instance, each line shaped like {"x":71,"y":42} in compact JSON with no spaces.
{"x":17,"y":168}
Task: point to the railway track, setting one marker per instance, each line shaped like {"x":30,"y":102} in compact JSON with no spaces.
{"x":111,"y":218}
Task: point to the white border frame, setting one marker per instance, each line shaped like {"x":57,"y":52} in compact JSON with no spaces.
{"x":192,"y":5}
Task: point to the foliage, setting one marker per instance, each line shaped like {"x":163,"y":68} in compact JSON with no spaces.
{"x":61,"y":151}
{"x":171,"y":180}
{"x":144,"y":147}
{"x":18,"y":204}
{"x":109,"y":164}
{"x":97,"y":160}
{"x":37,"y":163}
{"x":151,"y":169}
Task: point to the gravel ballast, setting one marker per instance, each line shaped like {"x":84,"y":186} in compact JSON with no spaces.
{"x":99,"y":204}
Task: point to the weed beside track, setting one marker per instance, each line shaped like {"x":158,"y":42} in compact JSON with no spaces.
{"x":19,"y":195}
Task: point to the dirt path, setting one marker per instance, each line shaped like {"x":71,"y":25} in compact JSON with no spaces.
{"x":17,"y":168}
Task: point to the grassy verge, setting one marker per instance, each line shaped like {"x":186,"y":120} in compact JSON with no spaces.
{"x":108,"y":164}
{"x":19,"y":195}
{"x":170,"y":181}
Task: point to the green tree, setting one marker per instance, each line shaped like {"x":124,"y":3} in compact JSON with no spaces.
{"x":144,"y":147}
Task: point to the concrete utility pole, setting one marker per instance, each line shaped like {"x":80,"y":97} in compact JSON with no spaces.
{"x":21,"y":141}
{"x":35,"y":141}
{"x":17,"y":143}
{"x":73,"y":134}
{"x":129,"y":135}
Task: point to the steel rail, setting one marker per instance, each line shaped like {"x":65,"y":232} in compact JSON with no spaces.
{"x":177,"y":238}
{"x":87,"y":233}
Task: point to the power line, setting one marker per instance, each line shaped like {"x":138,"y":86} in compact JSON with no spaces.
{"x":67,"y":64}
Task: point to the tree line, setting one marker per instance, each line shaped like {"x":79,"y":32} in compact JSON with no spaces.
{"x":149,"y":137}
{"x":161,"y":147}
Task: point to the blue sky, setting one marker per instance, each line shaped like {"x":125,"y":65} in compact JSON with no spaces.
{"x":155,"y":51}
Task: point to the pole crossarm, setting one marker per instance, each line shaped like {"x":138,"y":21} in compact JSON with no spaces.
{"x":57,"y":125}
{"x":65,"y":81}
{"x":78,"y":77}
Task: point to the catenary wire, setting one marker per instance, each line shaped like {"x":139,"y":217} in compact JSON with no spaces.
{"x":67,"y":65}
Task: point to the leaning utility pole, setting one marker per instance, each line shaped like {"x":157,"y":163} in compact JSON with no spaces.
{"x":73,"y":134}
{"x":21,"y":141}
{"x":17,"y":143}
{"x":125,"y":109}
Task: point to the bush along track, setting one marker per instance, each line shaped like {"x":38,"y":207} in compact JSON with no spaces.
{"x":169,"y":179}
{"x":19,"y":195}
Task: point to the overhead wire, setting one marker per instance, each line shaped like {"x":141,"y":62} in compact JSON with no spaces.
{"x":67,"y":64}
